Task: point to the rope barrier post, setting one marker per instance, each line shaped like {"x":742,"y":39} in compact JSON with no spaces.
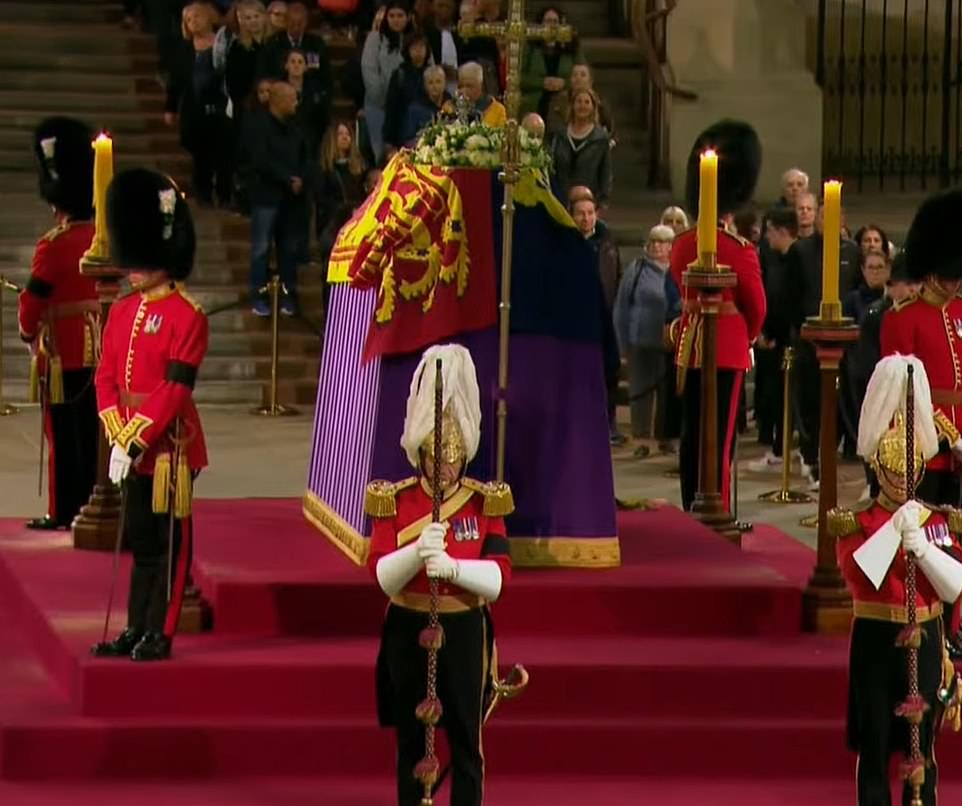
{"x":6,"y":409}
{"x":785,"y":495}
{"x":273,"y":408}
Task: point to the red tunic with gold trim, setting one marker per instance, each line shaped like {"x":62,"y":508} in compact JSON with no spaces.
{"x":888,"y":603}
{"x":59,"y":300}
{"x":153,"y":345}
{"x":472,"y":535}
{"x":743,"y":306}
{"x":929,"y":327}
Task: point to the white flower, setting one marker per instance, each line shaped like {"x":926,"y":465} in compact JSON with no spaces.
{"x":477,"y":142}
{"x":168,"y":201}
{"x":48,"y":145}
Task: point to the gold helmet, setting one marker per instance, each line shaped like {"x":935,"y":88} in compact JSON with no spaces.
{"x":882,"y":424}
{"x":453,"y":450}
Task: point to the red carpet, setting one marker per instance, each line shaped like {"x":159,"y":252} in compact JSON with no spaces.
{"x":686,"y":665}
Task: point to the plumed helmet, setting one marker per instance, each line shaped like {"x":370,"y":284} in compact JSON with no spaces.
{"x":739,"y":163}
{"x":929,"y":245}
{"x":149,"y":224}
{"x":65,"y":163}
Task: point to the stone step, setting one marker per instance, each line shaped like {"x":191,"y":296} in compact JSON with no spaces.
{"x":589,"y":17}
{"x":169,"y":161}
{"x":124,"y":81}
{"x":76,"y":39}
{"x":603,"y":52}
{"x":163,"y":141}
{"x":61,"y":13}
{"x":105,"y":62}
{"x":87,"y":104}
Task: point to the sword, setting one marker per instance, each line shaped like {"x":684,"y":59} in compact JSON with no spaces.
{"x":116,"y":563}
{"x":172,"y":519}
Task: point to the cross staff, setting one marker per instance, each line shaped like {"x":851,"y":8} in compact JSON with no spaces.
{"x":514,"y":33}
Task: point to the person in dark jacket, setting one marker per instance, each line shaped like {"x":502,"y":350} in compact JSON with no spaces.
{"x":446,"y":44}
{"x":276,"y":48}
{"x":434,"y":104}
{"x":313,"y":100}
{"x":240,"y":72}
{"x":196,"y":98}
{"x":340,"y":186}
{"x":281,"y":172}
{"x":875,"y":273}
{"x":582,"y":153}
{"x":405,"y":89}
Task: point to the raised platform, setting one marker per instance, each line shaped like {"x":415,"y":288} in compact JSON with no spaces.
{"x":686,"y":662}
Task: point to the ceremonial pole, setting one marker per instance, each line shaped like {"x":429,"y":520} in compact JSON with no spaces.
{"x":95,"y":527}
{"x":514,"y":33}
{"x":826,"y":604}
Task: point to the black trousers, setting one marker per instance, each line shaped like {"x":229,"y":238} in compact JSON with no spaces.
{"x":878,"y":682}
{"x":463,"y":675}
{"x":148,"y":606}
{"x":209,"y":137}
{"x":72,"y":430}
{"x":807,"y":391}
{"x":729,"y":387}
{"x":769,"y":397}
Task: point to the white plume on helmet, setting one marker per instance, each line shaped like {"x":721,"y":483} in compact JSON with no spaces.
{"x":885,"y":396}
{"x":461,"y":399}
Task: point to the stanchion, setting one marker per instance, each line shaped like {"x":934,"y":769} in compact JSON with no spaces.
{"x":742,"y":526}
{"x":273,"y":408}
{"x":785,"y":495}
{"x":809,"y":521}
{"x":6,"y":409}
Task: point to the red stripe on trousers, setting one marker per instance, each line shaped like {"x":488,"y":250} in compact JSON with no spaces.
{"x":180,"y":579}
{"x":726,"y":476}
{"x":51,"y":462}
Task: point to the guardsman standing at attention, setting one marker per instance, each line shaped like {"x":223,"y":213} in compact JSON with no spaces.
{"x":872,"y":546}
{"x":467,"y":551}
{"x":154,"y":343}
{"x":60,"y":320}
{"x":742,"y":310}
{"x":929,"y":326}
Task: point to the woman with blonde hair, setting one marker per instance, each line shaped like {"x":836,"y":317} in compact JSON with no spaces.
{"x":340,"y":186}
{"x":196,"y":98}
{"x":676,"y":218}
{"x":582,"y":153}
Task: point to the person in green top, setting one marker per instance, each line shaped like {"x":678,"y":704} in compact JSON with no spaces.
{"x":547,"y":68}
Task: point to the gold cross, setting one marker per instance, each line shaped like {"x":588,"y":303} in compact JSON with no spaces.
{"x":515,"y":32}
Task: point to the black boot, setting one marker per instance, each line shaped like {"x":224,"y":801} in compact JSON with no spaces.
{"x":153,"y":646}
{"x":953,"y":645}
{"x":44,"y":524}
{"x":120,"y":647}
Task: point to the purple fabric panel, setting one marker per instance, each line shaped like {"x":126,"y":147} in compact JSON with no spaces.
{"x":344,"y":416}
{"x":558,"y":457}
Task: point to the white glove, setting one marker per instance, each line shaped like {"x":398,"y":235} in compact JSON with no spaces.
{"x":431,"y":541}
{"x":907,"y":516}
{"x":915,"y":541}
{"x":482,"y":577}
{"x":944,"y":573}
{"x":441,"y":566}
{"x":396,"y":569}
{"x":120,"y":462}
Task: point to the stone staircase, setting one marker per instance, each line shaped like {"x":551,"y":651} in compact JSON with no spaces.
{"x":71,"y":57}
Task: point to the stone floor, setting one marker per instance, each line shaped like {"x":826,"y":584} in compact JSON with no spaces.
{"x":255,"y":456}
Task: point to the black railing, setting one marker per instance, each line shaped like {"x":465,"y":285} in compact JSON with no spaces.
{"x":891,"y":77}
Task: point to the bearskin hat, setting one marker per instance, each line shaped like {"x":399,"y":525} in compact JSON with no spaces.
{"x":65,"y":162}
{"x":929,"y":246}
{"x":739,"y":163}
{"x":149,"y":224}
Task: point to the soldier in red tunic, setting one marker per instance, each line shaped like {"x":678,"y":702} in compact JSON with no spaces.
{"x":929,"y":326}
{"x":743,"y":307}
{"x":60,"y":320}
{"x":872,"y":547}
{"x":153,"y":345}
{"x":467,"y":551}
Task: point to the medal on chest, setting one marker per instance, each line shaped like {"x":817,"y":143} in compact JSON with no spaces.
{"x":466,"y":529}
{"x":938,"y":534}
{"x":153,"y":323}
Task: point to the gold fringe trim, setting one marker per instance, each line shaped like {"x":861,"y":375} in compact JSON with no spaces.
{"x":113,"y":425}
{"x":498,"y":500}
{"x":55,"y":371}
{"x":380,"y":499}
{"x":34,"y":380}
{"x":160,"y":501}
{"x":954,"y":517}
{"x":184,"y":488}
{"x":565,"y":552}
{"x":351,"y":542}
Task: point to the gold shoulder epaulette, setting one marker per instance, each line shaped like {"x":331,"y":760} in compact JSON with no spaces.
{"x":905,"y":302}
{"x":194,"y":303}
{"x":842,"y":523}
{"x":55,"y":232}
{"x":737,"y":237}
{"x":498,"y":500}
{"x":953,"y":517}
{"x":945,"y":428}
{"x":380,"y":498}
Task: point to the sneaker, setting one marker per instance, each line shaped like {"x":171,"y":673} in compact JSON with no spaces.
{"x":261,"y":308}
{"x":641,"y":452}
{"x":810,"y":474}
{"x":767,"y":464}
{"x":617,"y":439}
{"x":288,"y":306}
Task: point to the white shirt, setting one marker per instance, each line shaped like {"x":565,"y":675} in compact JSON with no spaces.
{"x":449,"y":57}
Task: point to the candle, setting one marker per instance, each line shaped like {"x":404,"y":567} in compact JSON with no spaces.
{"x":103,"y":148}
{"x":831,"y":238}
{"x":708,"y":203}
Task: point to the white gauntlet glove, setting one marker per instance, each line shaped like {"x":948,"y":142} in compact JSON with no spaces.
{"x":914,"y":541}
{"x":431,"y":541}
{"x":120,"y":463}
{"x":441,"y":566}
{"x":907,"y":516}
{"x":396,"y":569}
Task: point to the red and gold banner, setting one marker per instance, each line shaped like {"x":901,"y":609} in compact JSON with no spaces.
{"x":423,"y":239}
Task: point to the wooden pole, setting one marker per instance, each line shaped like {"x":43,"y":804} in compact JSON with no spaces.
{"x":826,"y":603}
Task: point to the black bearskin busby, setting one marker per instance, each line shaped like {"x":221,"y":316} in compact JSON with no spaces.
{"x":929,"y":246}
{"x":65,"y":161}
{"x":739,"y":163}
{"x":149,"y":224}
